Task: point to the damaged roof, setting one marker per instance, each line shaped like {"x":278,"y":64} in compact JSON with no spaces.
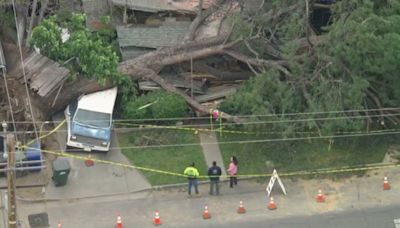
{"x":163,"y":5}
{"x":44,"y":75}
{"x":140,"y":40}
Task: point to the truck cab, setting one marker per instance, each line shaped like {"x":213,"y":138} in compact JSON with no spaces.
{"x":89,"y":121}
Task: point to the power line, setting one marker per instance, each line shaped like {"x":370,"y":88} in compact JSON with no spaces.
{"x":327,"y":170}
{"x":256,"y":122}
{"x":284,"y":121}
{"x":23,"y":69}
{"x":376,"y":133}
{"x":216,"y":130}
{"x":9,"y":103}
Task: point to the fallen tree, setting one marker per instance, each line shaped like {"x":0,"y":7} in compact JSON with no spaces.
{"x":283,"y":52}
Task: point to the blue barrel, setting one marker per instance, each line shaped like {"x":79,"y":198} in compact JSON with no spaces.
{"x":34,"y":153}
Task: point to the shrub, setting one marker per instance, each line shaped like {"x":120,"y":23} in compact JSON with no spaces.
{"x":155,"y":105}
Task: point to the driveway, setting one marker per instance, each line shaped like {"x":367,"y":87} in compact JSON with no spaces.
{"x":100,"y":179}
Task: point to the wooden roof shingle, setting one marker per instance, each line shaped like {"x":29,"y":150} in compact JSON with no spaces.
{"x":152,"y":37}
{"x":146,"y":5}
{"x":43,"y":75}
{"x":135,"y":41}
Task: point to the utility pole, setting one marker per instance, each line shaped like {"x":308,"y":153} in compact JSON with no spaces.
{"x":12,"y":206}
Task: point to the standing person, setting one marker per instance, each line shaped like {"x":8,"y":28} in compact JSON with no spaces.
{"x":214,"y":172}
{"x":232,"y":171}
{"x":192,"y":173}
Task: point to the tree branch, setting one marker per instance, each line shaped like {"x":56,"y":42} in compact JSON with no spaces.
{"x":378,"y":104}
{"x":192,"y":102}
{"x":201,"y":16}
{"x":259,"y":62}
{"x":219,"y":74}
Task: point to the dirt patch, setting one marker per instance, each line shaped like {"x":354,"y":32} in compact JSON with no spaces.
{"x":11,"y":54}
{"x":393,"y":154}
{"x":330,"y":190}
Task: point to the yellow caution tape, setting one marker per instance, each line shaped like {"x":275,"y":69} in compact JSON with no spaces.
{"x":221,"y":130}
{"x":189,"y":128}
{"x":296,"y":173}
{"x":46,"y":135}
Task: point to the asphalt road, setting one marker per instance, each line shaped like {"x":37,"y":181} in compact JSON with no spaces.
{"x":356,"y":218}
{"x":135,"y":213}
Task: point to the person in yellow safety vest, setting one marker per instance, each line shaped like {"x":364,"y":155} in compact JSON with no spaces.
{"x":192,"y":173}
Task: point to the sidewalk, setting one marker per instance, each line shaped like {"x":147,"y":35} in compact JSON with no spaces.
{"x":100,"y":179}
{"x":177,"y":210}
{"x":209,"y":143}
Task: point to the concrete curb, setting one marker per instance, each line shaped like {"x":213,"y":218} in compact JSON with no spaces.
{"x":80,"y":198}
{"x":153,"y":188}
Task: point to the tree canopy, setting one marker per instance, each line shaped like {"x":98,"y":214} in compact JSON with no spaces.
{"x":94,"y":56}
{"x":352,"y":65}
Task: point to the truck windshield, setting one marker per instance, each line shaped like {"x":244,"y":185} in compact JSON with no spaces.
{"x":91,"y":118}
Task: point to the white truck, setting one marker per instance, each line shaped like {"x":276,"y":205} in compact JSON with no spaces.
{"x":89,"y":121}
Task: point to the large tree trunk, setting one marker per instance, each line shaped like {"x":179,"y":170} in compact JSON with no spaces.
{"x":43,"y":108}
{"x":149,"y":65}
{"x":22,"y":12}
{"x":42,"y":10}
{"x":31,"y":21}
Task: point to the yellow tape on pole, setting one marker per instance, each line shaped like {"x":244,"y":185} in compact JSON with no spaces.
{"x":220,"y":124}
{"x":48,"y":134}
{"x":211,"y":119}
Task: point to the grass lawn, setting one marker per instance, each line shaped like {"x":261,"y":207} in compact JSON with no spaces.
{"x":172,"y":159}
{"x":261,"y":158}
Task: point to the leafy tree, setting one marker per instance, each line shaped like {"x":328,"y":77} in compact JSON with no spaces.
{"x":352,"y":67}
{"x":95,"y":57}
{"x":47,"y":37}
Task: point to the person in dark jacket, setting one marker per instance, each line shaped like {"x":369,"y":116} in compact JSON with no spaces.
{"x":214,"y":172}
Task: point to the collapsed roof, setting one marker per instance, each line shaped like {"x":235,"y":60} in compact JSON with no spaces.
{"x":137,"y":40}
{"x":189,"y":6}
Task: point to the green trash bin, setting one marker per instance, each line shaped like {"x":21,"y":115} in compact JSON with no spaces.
{"x":61,"y":170}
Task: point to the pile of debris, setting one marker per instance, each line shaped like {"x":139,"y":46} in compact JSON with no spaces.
{"x":206,"y":81}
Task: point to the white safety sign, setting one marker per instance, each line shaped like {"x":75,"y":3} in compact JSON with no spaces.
{"x":271,"y":183}
{"x":397,"y":222}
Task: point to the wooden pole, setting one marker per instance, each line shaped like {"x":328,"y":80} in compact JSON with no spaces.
{"x":211,"y":119}
{"x":191,"y":76}
{"x":12,"y":206}
{"x":220,"y":124}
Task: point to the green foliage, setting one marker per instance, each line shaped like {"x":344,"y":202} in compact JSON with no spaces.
{"x":291,"y":156}
{"x":47,"y":37}
{"x":172,"y":159}
{"x":157,"y":104}
{"x":6,"y":19}
{"x":93,"y":53}
{"x":356,"y":64}
{"x":368,"y":46}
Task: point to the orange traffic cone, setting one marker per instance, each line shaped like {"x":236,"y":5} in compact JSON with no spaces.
{"x":386,"y":185}
{"x":89,"y":162}
{"x":206,"y":214}
{"x":271,"y":204}
{"x":241,"y":209}
{"x":119,"y":222}
{"x":157,"y":220}
{"x":320,"y":197}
